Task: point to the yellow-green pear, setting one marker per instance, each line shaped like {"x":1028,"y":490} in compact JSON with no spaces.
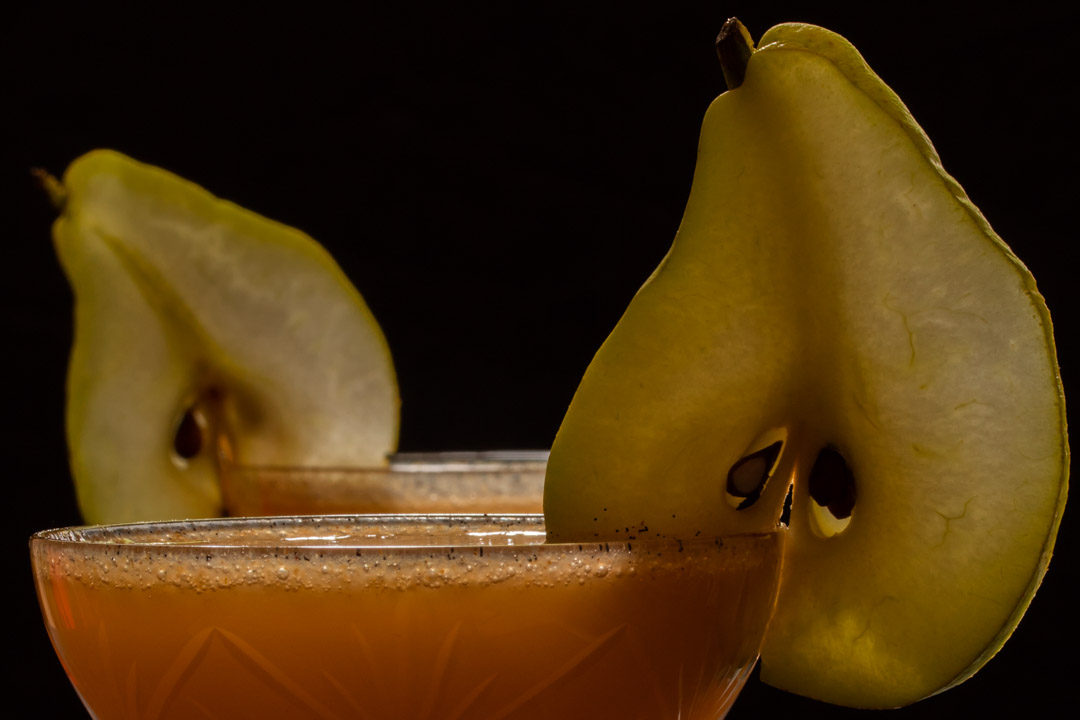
{"x":834,"y":313}
{"x":200,"y":328}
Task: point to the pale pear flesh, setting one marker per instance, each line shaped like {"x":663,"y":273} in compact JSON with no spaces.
{"x":830,"y":284}
{"x":185,"y":303}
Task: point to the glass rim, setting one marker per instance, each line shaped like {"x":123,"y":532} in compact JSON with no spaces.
{"x":112,"y":535}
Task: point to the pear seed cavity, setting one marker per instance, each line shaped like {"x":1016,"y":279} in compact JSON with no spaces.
{"x":748,"y":476}
{"x":832,"y":488}
{"x":188,"y":440}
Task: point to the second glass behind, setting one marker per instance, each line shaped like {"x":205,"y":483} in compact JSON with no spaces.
{"x":505,"y":481}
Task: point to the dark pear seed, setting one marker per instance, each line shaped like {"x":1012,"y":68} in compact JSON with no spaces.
{"x":747,"y":477}
{"x":188,"y":441}
{"x":832,"y":484}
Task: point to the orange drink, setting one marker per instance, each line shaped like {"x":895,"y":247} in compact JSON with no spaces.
{"x":510,"y":481}
{"x":442,"y":617}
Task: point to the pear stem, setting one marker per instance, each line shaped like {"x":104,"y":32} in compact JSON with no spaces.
{"x":52,"y":187}
{"x":734,"y":46}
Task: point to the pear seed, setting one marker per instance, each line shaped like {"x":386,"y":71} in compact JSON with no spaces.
{"x":832,"y":484}
{"x":748,"y":476}
{"x":188,"y":441}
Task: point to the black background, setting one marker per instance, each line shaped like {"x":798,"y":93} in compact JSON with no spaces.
{"x":497,"y":181}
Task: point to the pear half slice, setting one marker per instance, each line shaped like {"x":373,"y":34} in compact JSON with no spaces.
{"x":197,"y":321}
{"x":834,"y":312}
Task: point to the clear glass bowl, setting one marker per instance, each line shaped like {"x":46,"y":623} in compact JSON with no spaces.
{"x":455,"y":482}
{"x":441,"y":616}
